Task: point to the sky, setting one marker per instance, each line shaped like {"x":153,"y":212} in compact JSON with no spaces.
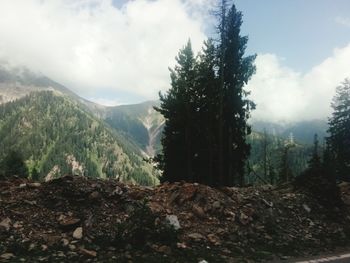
{"x":118,"y":52}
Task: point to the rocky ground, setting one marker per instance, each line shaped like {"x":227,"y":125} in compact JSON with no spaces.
{"x":74,"y":219}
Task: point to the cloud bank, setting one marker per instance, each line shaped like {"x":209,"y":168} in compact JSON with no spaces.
{"x":101,"y":51}
{"x":93,"y":47}
{"x":283,"y":94}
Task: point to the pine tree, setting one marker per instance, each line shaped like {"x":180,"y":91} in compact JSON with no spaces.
{"x":207,"y":95}
{"x":14,"y":165}
{"x":177,"y":109}
{"x":235,"y":70}
{"x":339,"y":130}
{"x":207,"y":108}
{"x":315,"y":161}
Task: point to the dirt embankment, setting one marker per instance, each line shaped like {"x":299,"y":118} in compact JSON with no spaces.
{"x":74,"y":219}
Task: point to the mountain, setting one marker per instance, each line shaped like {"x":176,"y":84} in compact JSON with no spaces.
{"x":57,"y":132}
{"x":135,"y":130}
{"x":140,"y":122}
{"x":302,"y":131}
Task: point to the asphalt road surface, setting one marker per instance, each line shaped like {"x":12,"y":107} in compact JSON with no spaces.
{"x":342,"y":258}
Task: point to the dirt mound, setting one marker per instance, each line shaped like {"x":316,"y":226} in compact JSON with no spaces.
{"x":74,"y":219}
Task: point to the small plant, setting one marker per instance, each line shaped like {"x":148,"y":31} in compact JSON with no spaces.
{"x":143,"y":226}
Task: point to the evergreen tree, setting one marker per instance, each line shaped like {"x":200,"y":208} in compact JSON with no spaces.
{"x":178,"y":111}
{"x":34,"y":174}
{"x":339,"y":130}
{"x":14,"y":165}
{"x":207,"y":108}
{"x":235,"y":70}
{"x":207,"y":95}
{"x":315,"y":161}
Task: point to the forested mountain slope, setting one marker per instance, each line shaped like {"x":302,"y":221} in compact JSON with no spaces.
{"x":140,"y":122}
{"x":56,"y":135}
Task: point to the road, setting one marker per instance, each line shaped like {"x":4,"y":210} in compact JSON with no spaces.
{"x":342,"y":258}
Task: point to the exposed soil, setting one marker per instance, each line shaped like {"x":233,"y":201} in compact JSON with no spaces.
{"x":74,"y":219}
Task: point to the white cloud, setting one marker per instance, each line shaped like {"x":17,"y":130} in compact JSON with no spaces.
{"x":283,"y":94}
{"x":345,"y":21}
{"x":93,"y":47}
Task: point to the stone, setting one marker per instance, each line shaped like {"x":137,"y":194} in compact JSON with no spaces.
{"x":78,"y":233}
{"x":7,"y":256}
{"x":67,"y":221}
{"x":198,"y":211}
{"x":34,"y":185}
{"x":17,"y":225}
{"x":214,"y":239}
{"x":244,"y":219}
{"x":173,"y":221}
{"x":89,"y":253}
{"x":196,"y":236}
{"x":163,"y":249}
{"x":181,"y":245}
{"x":217,"y":205}
{"x":307,"y":208}
{"x":94,"y":195}
{"x":65,"y":242}
{"x":5,"y":223}
{"x":72,"y":247}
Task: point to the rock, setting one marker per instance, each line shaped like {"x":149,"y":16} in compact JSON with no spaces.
{"x":31,"y":247}
{"x":217,"y":205}
{"x":94,"y":195}
{"x":89,"y":253}
{"x":72,"y":247}
{"x":44,"y":247}
{"x":68,"y":221}
{"x":162,"y":249}
{"x":17,"y":225}
{"x":34,"y":185}
{"x":196,"y":236}
{"x":214,"y":239}
{"x":7,"y":256}
{"x":173,"y":221}
{"x":181,"y":245}
{"x":307,"y":208}
{"x":198,"y":211}
{"x":78,"y":233}
{"x":21,"y":186}
{"x":65,"y":242}
{"x":118,"y":191}
{"x":244,"y":219}
{"x":5,"y":223}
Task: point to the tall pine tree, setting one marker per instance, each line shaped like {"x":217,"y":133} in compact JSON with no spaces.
{"x":235,"y":70}
{"x":177,"y":109}
{"x":338,"y":141}
{"x":206,"y":110}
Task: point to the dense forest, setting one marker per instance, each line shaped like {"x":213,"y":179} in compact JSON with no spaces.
{"x":56,"y":136}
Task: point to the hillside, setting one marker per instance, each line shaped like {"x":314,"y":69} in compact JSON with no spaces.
{"x":140,"y":122}
{"x":56,"y":135}
{"x":303,"y":131}
{"x":75,"y":219}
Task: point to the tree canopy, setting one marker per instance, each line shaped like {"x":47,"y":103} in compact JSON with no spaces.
{"x":206,"y":110}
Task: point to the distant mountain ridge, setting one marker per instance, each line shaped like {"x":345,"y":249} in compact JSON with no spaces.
{"x":302,"y":131}
{"x":134,"y":131}
{"x":58,"y":132}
